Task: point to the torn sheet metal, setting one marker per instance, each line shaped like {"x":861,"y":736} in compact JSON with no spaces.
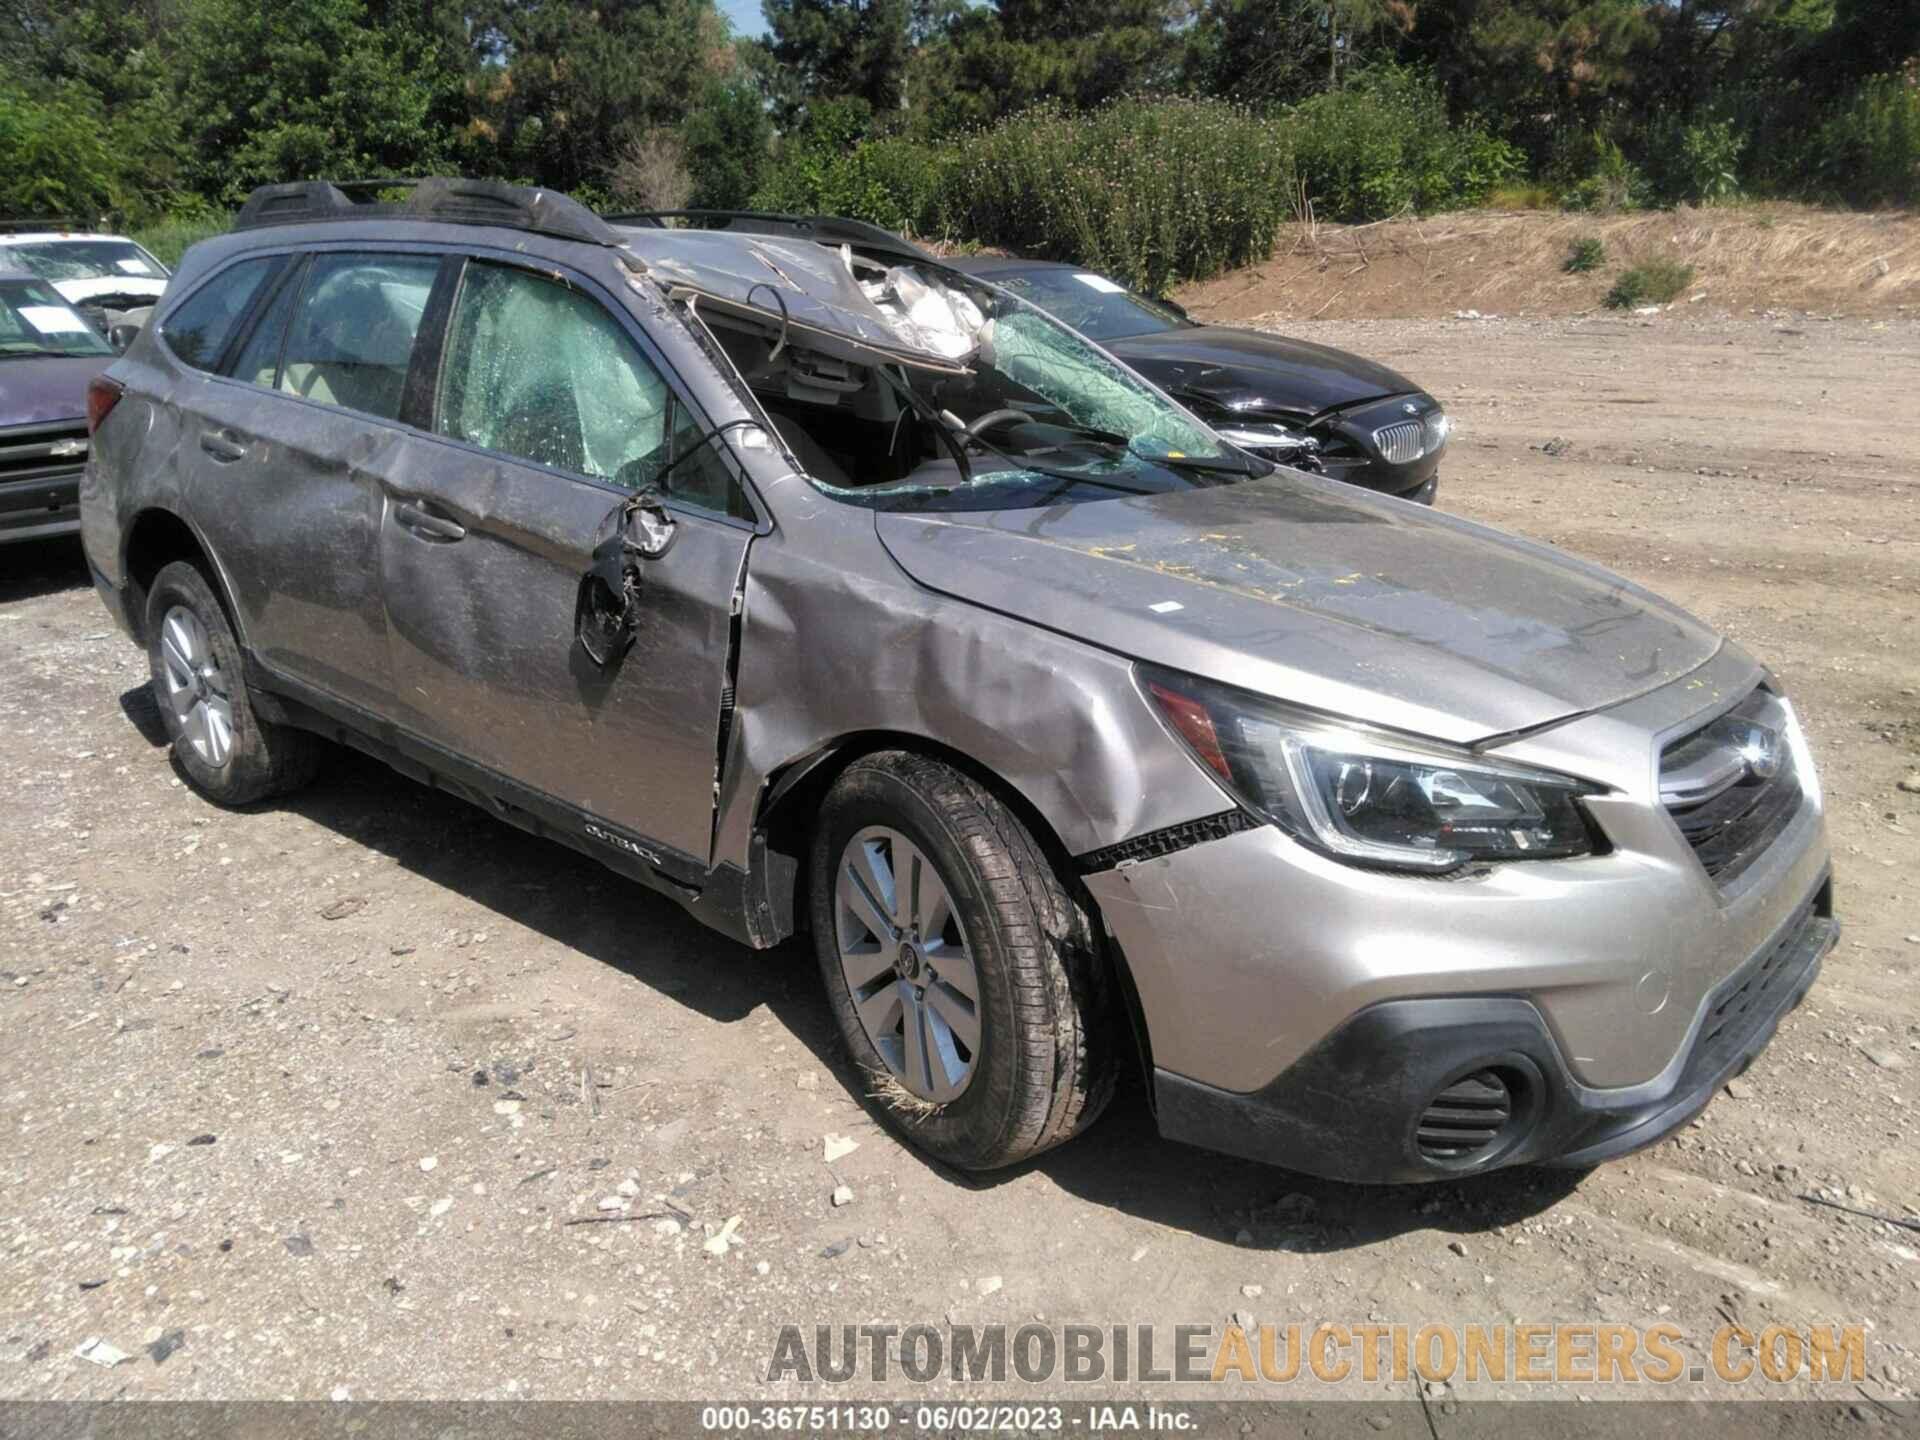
{"x":815,"y":290}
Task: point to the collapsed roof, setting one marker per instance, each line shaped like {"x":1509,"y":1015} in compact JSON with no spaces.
{"x":828,"y":298}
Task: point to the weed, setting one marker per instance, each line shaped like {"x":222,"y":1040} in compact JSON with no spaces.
{"x":1585,"y":255}
{"x":881,"y":1086}
{"x":1656,"y":282}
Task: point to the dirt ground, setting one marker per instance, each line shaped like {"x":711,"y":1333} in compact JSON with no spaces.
{"x":301,"y":1101}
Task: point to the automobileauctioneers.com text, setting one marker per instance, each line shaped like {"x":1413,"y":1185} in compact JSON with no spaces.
{"x":1327,"y":1353}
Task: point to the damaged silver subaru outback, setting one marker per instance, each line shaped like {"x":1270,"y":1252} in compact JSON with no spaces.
{"x":824,"y":588}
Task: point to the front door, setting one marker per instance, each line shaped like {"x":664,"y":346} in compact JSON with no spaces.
{"x":548,"y":411}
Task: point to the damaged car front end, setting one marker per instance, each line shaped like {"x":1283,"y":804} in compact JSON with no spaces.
{"x":1402,"y":848}
{"x":1446,"y":910}
{"x":1287,"y":400}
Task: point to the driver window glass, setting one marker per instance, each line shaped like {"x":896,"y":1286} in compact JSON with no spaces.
{"x":701,"y":475}
{"x":541,"y":372}
{"x":352,"y":335}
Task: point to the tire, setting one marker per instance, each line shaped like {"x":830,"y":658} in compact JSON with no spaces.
{"x":1043,"y":1065}
{"x":226,"y":751}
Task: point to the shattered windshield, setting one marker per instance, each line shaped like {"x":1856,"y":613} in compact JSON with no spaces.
{"x":914,"y":387}
{"x":61,"y":260}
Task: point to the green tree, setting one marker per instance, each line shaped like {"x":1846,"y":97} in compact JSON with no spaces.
{"x":113,"y":61}
{"x":727,"y":138}
{"x":55,"y":160}
{"x":1537,"y":69}
{"x":563,"y":87}
{"x":830,"y":48}
{"x":284,"y":92}
{"x":985,"y":64}
{"x":1286,"y":50}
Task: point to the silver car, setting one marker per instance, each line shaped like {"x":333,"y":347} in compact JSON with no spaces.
{"x":823,"y":588}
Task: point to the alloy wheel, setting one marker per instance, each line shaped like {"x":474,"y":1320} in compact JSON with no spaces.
{"x":196,"y":688}
{"x":907,"y":963}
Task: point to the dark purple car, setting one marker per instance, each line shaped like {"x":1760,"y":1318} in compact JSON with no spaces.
{"x":48,"y":353}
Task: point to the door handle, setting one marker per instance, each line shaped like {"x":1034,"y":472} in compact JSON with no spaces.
{"x":222,"y":446}
{"x":427,"y":525}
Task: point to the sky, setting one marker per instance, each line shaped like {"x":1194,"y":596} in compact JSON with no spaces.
{"x":745,"y":16}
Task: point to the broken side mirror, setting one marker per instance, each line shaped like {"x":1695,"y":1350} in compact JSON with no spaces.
{"x":650,"y":529}
{"x":606,"y":612}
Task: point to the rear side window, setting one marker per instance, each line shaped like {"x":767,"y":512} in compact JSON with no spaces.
{"x":197,"y":330}
{"x":353,"y":328}
{"x":259,"y":359}
{"x":541,"y":372}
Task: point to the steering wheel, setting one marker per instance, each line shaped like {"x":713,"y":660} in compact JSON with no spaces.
{"x":995,"y":417}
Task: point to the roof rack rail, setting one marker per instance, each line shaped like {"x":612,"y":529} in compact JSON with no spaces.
{"x":436,"y":198}
{"x":32,"y":224}
{"x":829,"y":229}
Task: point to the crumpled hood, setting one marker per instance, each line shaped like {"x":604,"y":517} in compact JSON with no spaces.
{"x":1299,"y":588}
{"x":36,"y":389}
{"x":1258,"y":370}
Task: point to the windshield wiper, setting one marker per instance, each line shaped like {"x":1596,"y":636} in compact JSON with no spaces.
{"x":33,"y":350}
{"x":1110,"y":438}
{"x":929,"y":415}
{"x":1206,"y":466}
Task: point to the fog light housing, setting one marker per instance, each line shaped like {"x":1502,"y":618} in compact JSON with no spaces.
{"x":1478,"y":1116}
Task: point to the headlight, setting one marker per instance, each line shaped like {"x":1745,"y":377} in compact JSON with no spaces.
{"x":1367,"y":795}
{"x":1438,"y":428}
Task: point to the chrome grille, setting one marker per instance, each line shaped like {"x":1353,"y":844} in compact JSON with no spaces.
{"x":1731,"y":785}
{"x":34,"y":452}
{"x":1402,"y":443}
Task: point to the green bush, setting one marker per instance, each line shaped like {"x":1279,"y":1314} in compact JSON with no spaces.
{"x":1585,"y":255}
{"x":1868,"y":149}
{"x":1606,"y":180}
{"x":1384,"y":145}
{"x":1147,"y":191}
{"x":169,"y":237}
{"x":833,"y":166}
{"x":1653,"y":283}
{"x":1696,"y":164}
{"x":1150,"y":191}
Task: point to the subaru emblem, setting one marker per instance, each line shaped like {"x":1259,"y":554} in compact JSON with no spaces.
{"x":1760,"y":748}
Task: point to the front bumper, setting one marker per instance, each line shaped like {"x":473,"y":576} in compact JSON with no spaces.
{"x":41,"y":507}
{"x":1353,"y":1107}
{"x":1250,"y":955}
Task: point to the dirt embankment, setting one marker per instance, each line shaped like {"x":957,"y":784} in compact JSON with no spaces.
{"x":1766,"y":257}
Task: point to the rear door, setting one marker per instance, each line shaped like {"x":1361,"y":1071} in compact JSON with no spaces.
{"x":550,"y":407}
{"x":291,"y":454}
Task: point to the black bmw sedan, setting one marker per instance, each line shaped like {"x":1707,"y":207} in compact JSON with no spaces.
{"x":1290,"y":401}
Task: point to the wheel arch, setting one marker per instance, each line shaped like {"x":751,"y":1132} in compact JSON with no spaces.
{"x":156,"y":538}
{"x":791,"y":801}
